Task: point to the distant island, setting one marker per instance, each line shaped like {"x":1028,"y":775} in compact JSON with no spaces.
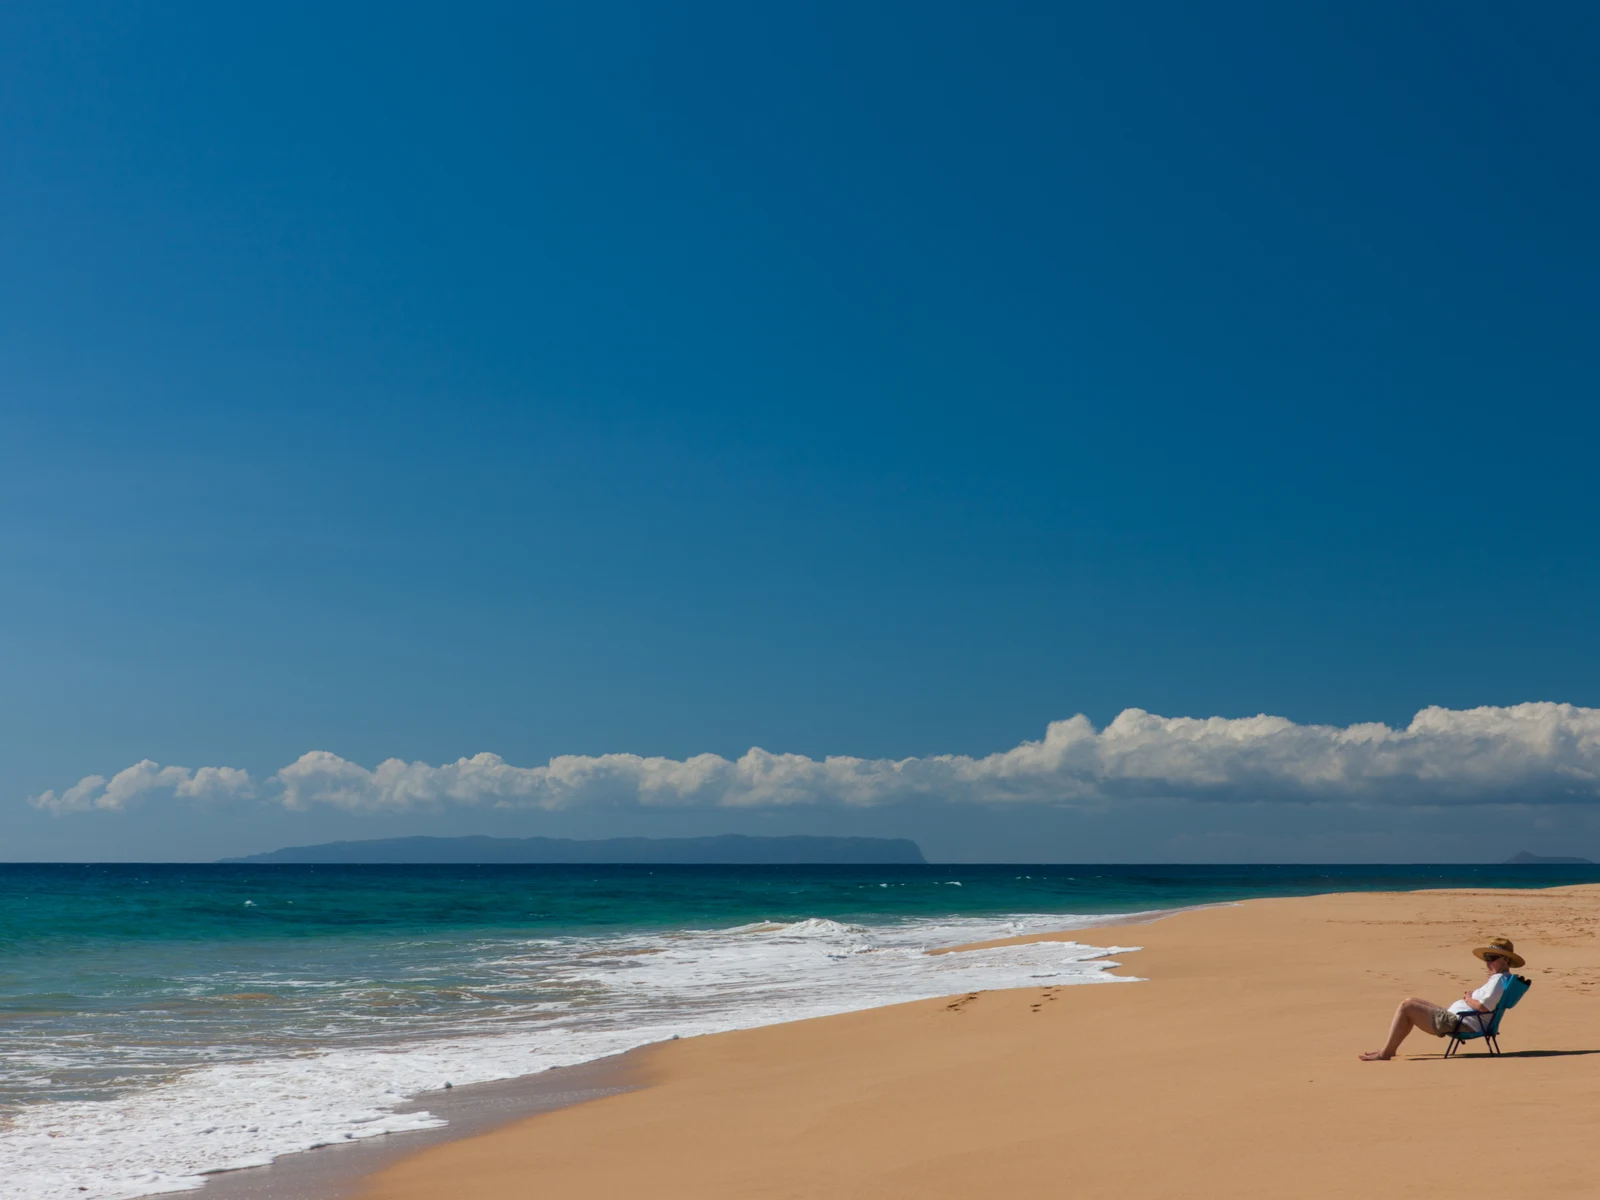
{"x":728,"y":849}
{"x":1523,"y":858}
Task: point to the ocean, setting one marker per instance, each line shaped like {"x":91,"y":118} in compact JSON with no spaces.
{"x":165,"y":1021}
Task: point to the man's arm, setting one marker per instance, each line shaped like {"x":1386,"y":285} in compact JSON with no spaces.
{"x":1478,"y":1005}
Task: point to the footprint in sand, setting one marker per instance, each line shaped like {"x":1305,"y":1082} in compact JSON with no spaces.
{"x":958,"y":1005}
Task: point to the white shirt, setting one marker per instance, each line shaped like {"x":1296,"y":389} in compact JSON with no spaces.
{"x":1489,"y":996}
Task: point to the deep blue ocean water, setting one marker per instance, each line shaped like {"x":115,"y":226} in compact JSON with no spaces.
{"x":164,"y":1020}
{"x":49,"y":908}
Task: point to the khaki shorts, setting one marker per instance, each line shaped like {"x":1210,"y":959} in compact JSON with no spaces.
{"x":1445,"y":1022}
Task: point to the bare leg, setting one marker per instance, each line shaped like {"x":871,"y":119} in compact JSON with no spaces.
{"x":1412,"y":1014}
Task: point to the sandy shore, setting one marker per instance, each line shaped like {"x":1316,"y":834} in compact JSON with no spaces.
{"x":337,"y":1171}
{"x":1231,"y":1072}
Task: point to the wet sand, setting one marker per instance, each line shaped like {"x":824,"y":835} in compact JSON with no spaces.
{"x":338,"y":1170}
{"x":1231,"y":1071}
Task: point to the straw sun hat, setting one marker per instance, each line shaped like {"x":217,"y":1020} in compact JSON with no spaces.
{"x":1502,"y":946}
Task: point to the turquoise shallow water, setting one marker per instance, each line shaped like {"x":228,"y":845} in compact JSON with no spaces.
{"x":164,"y":1020}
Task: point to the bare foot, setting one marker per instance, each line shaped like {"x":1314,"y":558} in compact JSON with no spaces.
{"x":1376,"y":1056}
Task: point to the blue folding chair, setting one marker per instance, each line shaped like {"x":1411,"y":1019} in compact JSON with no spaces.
{"x":1515,"y":990}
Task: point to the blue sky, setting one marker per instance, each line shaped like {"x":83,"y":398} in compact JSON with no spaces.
{"x":884,"y":381}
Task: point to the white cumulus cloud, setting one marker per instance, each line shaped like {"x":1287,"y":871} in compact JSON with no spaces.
{"x":1524,"y":754}
{"x":126,"y":786}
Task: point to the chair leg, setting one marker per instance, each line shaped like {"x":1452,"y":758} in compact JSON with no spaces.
{"x":1451,"y":1047}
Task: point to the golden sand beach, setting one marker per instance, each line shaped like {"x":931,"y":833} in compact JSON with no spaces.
{"x":1231,"y":1071}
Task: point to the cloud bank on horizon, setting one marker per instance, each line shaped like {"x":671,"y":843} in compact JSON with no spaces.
{"x":1536,"y":753}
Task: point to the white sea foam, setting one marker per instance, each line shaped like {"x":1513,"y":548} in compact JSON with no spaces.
{"x":620,"y":992}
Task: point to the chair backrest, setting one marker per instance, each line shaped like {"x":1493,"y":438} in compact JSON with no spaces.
{"x":1516,"y":988}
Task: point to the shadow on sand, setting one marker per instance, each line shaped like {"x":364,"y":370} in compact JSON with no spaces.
{"x":1464,"y":1055}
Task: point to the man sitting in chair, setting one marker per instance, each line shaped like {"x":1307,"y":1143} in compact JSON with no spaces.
{"x":1470,"y":1014}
